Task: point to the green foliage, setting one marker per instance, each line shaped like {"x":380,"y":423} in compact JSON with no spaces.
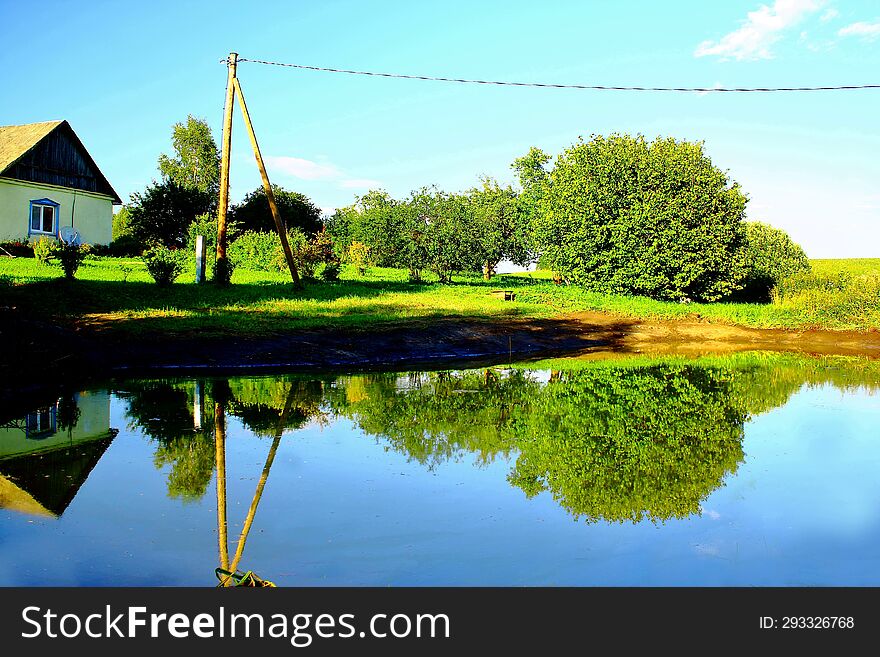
{"x":17,"y":248}
{"x":69,"y":256}
{"x":44,"y":249}
{"x":122,"y":223}
{"x":831,"y":297}
{"x":222,"y":271}
{"x":206,"y":225}
{"x":358,"y":254}
{"x":770,"y":257}
{"x":196,"y":160}
{"x":375,"y":222}
{"x":621,"y":215}
{"x":164,"y":265}
{"x":630,"y":443}
{"x":502,"y":226}
{"x":255,"y":250}
{"x":162,"y":214}
{"x":297,"y":211}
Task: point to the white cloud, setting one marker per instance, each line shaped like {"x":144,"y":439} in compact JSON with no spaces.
{"x":300,"y":168}
{"x":759,"y":31}
{"x":861,"y":29}
{"x":360,"y":183}
{"x":830,"y":15}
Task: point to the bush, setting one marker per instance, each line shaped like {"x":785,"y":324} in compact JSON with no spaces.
{"x":17,"y":249}
{"x":330,"y":272}
{"x":222,"y":273}
{"x":164,"y":265}
{"x":70,"y":257}
{"x":44,"y":249}
{"x":770,"y":256}
{"x":358,"y":254}
{"x":621,"y":215}
{"x":255,"y":250}
{"x":127,"y":246}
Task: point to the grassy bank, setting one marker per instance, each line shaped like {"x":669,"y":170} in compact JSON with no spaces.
{"x":118,"y":294}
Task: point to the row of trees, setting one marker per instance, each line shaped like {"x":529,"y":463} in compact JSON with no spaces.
{"x":614,"y":214}
{"x":437,"y":231}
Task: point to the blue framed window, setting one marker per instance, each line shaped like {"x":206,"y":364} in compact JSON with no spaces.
{"x":43,"y":217}
{"x":41,"y":423}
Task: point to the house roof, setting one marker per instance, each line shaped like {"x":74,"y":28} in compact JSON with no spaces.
{"x":18,"y":140}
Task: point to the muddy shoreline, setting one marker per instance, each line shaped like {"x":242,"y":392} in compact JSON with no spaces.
{"x":37,"y":359}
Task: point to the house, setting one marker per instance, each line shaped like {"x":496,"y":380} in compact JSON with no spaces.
{"x":48,"y":181}
{"x":46,"y":455}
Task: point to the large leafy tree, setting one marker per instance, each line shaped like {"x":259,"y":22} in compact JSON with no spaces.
{"x":196,"y":159}
{"x":502,"y":222}
{"x":621,"y":215}
{"x":163,"y":212}
{"x":296,"y":210}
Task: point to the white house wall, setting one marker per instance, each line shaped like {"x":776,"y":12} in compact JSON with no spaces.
{"x":91,"y":214}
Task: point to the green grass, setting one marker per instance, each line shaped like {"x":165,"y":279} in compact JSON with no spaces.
{"x":118,"y":294}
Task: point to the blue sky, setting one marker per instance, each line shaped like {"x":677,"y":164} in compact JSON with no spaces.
{"x":123,"y":73}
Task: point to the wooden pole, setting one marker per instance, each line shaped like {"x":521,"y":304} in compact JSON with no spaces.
{"x":221,"y":265}
{"x":279,"y":225}
{"x":264,"y":476}
{"x":220,"y":454}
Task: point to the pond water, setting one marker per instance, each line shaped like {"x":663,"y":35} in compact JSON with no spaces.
{"x":755,"y":469}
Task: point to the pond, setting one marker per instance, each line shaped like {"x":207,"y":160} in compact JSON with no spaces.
{"x":752,"y":469}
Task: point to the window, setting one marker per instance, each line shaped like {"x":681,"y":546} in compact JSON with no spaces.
{"x":43,"y":215}
{"x":41,"y":423}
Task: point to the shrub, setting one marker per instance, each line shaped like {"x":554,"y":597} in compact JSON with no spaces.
{"x":164,"y":265}
{"x":621,"y":215}
{"x":127,"y":246}
{"x":358,"y":254}
{"x":70,"y":257}
{"x":306,"y":254}
{"x":222,"y":274}
{"x":770,"y":256}
{"x":330,"y":272}
{"x":255,"y":250}
{"x":17,"y":249}
{"x":44,"y":249}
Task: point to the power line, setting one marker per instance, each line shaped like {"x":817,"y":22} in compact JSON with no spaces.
{"x":546,"y":85}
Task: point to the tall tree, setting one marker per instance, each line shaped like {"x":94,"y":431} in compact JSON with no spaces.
{"x":196,"y":160}
{"x":162,"y":214}
{"x":502,"y":218}
{"x":296,"y":210}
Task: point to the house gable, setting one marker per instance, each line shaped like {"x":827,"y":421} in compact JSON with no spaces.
{"x":50,"y":153}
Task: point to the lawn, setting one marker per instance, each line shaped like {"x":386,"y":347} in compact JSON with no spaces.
{"x":118,"y":294}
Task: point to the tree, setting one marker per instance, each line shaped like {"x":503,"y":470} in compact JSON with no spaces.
{"x":296,"y":210}
{"x":770,"y":256}
{"x":196,"y":163}
{"x":450,"y":235}
{"x":503,"y":225}
{"x":162,"y":214}
{"x":620,"y":215}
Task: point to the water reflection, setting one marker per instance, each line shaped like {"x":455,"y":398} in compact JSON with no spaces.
{"x":47,"y":454}
{"x":610,"y":441}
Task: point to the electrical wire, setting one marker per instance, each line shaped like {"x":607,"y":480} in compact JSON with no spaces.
{"x":546,"y":85}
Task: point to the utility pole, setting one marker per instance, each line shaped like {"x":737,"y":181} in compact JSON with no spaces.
{"x":233,"y":89}
{"x":270,"y":195}
{"x":221,"y":267}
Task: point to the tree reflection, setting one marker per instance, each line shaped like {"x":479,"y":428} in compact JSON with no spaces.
{"x":630,"y":443}
{"x":181,"y":417}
